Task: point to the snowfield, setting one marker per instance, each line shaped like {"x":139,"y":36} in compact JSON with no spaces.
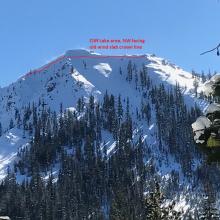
{"x":10,"y":142}
{"x":104,"y":69}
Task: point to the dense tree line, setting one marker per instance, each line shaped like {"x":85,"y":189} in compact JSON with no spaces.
{"x":91,"y":182}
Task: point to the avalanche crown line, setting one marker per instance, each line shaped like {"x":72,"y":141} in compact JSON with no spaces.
{"x":45,"y":67}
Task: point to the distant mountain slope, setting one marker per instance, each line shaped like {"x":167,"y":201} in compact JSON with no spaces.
{"x":80,"y":74}
{"x":68,"y":79}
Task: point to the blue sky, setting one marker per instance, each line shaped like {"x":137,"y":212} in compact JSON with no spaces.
{"x":33,"y":32}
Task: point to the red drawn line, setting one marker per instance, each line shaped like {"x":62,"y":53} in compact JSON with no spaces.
{"x":75,"y":57}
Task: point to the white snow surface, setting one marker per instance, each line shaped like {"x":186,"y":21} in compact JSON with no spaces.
{"x":213,"y":107}
{"x":207,"y":87}
{"x":201,"y":123}
{"x":10,"y":142}
{"x":104,"y":69}
{"x":199,"y":126}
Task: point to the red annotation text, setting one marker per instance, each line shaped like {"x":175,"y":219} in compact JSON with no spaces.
{"x":112,"y":44}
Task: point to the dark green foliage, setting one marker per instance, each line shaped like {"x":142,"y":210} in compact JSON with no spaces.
{"x":209,"y":210}
{"x":129,"y":71}
{"x":91,"y":184}
{"x":0,"y":129}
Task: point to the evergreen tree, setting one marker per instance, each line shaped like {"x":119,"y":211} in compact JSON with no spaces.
{"x":11,"y":124}
{"x":129,"y":71}
{"x":0,"y":129}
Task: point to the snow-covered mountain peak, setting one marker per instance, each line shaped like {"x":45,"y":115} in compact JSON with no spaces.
{"x":75,"y":75}
{"x":80,"y":52}
{"x":72,"y":78}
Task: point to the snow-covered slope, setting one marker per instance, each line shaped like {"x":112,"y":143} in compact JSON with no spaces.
{"x":80,"y":73}
{"x":10,"y":142}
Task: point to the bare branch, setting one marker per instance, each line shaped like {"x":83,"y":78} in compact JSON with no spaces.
{"x":216,"y":48}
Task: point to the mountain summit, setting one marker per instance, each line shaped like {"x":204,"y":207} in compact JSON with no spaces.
{"x":84,"y":100}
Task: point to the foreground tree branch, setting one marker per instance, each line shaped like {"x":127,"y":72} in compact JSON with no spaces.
{"x":216,"y":48}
